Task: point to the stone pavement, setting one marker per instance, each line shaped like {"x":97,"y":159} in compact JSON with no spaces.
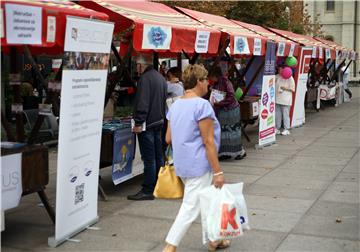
{"x":302,"y":195}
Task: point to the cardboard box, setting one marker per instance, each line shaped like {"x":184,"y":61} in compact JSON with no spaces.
{"x":249,"y":107}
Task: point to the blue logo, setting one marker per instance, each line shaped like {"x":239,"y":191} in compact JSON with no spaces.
{"x":240,"y":44}
{"x":157,"y":36}
{"x":73,"y":179}
{"x":272,"y":92}
{"x":242,"y":220}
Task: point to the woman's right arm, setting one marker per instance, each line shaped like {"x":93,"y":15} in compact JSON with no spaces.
{"x":207,"y":133}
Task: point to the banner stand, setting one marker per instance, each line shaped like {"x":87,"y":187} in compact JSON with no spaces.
{"x":54,"y":243}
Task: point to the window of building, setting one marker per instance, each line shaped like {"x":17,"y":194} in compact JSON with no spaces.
{"x":330,"y":5}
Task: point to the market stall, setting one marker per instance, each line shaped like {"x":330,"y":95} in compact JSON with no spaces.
{"x":312,"y":54}
{"x":32,"y":28}
{"x":252,"y":49}
{"x":143,"y":29}
{"x":345,"y":56}
{"x":39,"y":28}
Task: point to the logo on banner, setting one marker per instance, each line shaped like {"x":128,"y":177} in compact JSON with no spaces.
{"x":257,"y":46}
{"x":264,"y":113}
{"x":321,"y":50}
{"x":157,"y":36}
{"x":241,"y":45}
{"x":292,"y":49}
{"x":272,"y":107}
{"x":281,"y":49}
{"x":73,"y":174}
{"x":265,"y":99}
{"x":314,"y":52}
{"x":270,"y":120}
{"x":327,"y":53}
{"x":272,"y":91}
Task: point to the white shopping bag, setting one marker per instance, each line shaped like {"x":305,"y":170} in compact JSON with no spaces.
{"x":223,"y":212}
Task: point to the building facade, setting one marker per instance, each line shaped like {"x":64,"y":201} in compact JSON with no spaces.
{"x":341,"y":20}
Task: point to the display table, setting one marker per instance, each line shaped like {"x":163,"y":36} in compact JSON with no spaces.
{"x":35,"y":171}
{"x":249,"y":110}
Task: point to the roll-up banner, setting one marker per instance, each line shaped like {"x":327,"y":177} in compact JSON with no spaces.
{"x":267,"y":101}
{"x":85,"y":69}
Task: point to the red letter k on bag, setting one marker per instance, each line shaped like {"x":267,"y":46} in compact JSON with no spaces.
{"x":228,"y":217}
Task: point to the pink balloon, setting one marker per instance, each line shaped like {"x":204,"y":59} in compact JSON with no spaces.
{"x":286,"y":72}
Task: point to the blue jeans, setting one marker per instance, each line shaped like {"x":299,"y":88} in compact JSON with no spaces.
{"x":150,"y":144}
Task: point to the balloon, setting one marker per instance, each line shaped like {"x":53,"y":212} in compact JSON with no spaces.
{"x":291,"y":61}
{"x":286,"y":72}
{"x":238,"y":93}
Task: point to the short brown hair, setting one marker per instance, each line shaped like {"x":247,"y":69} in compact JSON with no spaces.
{"x":215,"y":72}
{"x":175,"y":71}
{"x":192,"y":74}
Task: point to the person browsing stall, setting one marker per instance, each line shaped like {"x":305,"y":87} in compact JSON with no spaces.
{"x":149,"y":113}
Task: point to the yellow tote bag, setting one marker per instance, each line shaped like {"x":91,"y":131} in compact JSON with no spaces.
{"x":168,"y":185}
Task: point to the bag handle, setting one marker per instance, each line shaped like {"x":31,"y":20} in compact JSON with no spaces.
{"x":168,"y":154}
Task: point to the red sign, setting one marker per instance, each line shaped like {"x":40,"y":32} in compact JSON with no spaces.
{"x":272,"y":107}
{"x":264,"y":114}
{"x":267,"y":132}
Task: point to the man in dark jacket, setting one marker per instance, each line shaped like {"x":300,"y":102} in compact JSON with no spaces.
{"x":149,"y":113}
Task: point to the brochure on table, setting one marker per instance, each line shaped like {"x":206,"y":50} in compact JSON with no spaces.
{"x":85,"y":64}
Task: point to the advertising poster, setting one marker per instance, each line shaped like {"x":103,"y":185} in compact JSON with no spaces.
{"x":123,"y":155}
{"x":202,"y":41}
{"x":11,"y":183}
{"x":23,"y":24}
{"x":267,"y":100}
{"x":86,"y":57}
{"x":297,"y":110}
{"x":241,"y":45}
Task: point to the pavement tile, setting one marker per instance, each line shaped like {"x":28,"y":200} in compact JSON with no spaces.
{"x":233,"y":168}
{"x":278,"y":204}
{"x":289,"y":182}
{"x":319,"y":160}
{"x":264,"y":163}
{"x":309,"y":243}
{"x":281,"y":191}
{"x":237,"y":178}
{"x":334,"y":209}
{"x":324,"y":175}
{"x":272,"y":220}
{"x":327,"y":226}
{"x":312,"y":167}
{"x":348,"y":177}
{"x":344,"y":192}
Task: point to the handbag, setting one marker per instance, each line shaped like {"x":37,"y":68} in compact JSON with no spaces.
{"x":168,"y":185}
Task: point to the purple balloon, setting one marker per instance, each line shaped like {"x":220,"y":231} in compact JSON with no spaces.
{"x":286,"y":72}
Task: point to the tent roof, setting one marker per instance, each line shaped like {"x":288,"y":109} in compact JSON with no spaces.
{"x":270,"y":35}
{"x":131,"y":16}
{"x":228,"y":27}
{"x":50,"y":8}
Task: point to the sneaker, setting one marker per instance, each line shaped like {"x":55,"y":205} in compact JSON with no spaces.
{"x":285,"y":132}
{"x":141,"y":196}
{"x":224,"y":157}
{"x":239,"y":157}
{"x":278,"y":132}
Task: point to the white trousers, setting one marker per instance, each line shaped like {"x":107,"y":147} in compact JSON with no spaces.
{"x":190,"y":207}
{"x":282,"y":114}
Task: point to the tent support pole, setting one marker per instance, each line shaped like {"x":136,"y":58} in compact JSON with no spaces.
{"x":5,"y":124}
{"x":179,"y":62}
{"x":337,"y":70}
{"x":194,"y":58}
{"x":221,"y":51}
{"x":20,"y":132}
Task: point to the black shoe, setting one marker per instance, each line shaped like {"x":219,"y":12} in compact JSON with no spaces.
{"x":239,"y":157}
{"x":221,"y":158}
{"x":141,"y":196}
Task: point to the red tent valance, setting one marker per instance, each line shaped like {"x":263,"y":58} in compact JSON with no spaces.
{"x":156,"y":27}
{"x":343,"y":52}
{"x":320,"y":50}
{"x":290,"y":47}
{"x":239,"y":36}
{"x":53,"y":21}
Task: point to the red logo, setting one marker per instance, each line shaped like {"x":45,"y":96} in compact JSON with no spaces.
{"x":264,"y":114}
{"x":228,"y":217}
{"x":272,"y":107}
